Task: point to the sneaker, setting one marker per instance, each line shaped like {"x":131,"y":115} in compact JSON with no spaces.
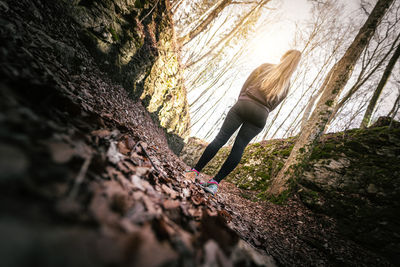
{"x":192,"y":174}
{"x":210,"y":186}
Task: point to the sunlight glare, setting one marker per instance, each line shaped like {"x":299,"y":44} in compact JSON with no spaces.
{"x":269,"y":46}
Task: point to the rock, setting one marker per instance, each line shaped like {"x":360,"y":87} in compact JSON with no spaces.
{"x":102,"y":133}
{"x":119,"y":46}
{"x":13,"y":162}
{"x":150,"y":251}
{"x":60,"y":151}
{"x":372,"y":189}
{"x":247,"y":255}
{"x":113,"y":154}
{"x":137,"y":182}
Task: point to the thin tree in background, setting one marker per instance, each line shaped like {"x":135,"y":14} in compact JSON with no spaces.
{"x":334,"y":84}
{"x":385,"y":77}
{"x":379,"y":49}
{"x":393,"y":112}
{"x":205,"y":22}
{"x":322,"y":39}
{"x":205,"y":59}
{"x":241,"y":25}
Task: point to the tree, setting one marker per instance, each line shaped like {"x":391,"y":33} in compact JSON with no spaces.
{"x":379,"y":50}
{"x":204,"y":23}
{"x":323,"y":39}
{"x":385,"y":77}
{"x":334,"y":84}
{"x":211,"y":59}
{"x":236,"y":29}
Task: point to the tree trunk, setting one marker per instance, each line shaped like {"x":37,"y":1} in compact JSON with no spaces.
{"x":385,"y":77}
{"x":335,"y":82}
{"x":392,"y":113}
{"x":361,"y":80}
{"x":312,"y":100}
{"x":231,"y":34}
{"x":203,"y":25}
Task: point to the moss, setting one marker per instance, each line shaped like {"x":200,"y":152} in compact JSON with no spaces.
{"x":248,"y":195}
{"x":329,"y":103}
{"x":114,"y":34}
{"x":310,"y":197}
{"x":281,"y":199}
{"x":319,"y":153}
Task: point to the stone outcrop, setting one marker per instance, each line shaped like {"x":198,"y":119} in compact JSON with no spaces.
{"x":133,"y":42}
{"x":353,"y":176}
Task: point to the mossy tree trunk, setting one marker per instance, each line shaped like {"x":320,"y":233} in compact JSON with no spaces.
{"x":334,"y":84}
{"x":385,"y":77}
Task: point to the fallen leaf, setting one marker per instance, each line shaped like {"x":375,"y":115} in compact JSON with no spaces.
{"x":185,"y":193}
{"x":122,"y":148}
{"x":137,"y":182}
{"x":130,"y":166}
{"x":197,"y":199}
{"x":113,"y":155}
{"x":224,"y":214}
{"x":171,"y":204}
{"x":212,"y":213}
{"x":195,"y":212}
{"x":163,"y":228}
{"x":60,"y":152}
{"x":149,"y":204}
{"x":102,"y":133}
{"x":123,"y":167}
{"x":172,"y":193}
{"x":129,"y":142}
{"x":142,"y":171}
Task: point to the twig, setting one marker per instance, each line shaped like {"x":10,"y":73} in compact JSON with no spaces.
{"x":147,"y":155}
{"x":80,"y":177}
{"x":149,"y":12}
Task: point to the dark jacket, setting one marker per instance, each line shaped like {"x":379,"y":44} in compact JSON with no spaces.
{"x":250,"y":90}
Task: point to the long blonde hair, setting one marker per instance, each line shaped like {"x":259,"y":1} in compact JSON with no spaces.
{"x":275,"y":80}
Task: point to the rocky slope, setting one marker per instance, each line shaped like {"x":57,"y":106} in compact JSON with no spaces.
{"x":353,"y":176}
{"x":132,"y":42}
{"x":87,"y":178}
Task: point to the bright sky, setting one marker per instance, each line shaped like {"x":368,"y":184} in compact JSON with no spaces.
{"x":269,"y":46}
{"x":276,"y":39}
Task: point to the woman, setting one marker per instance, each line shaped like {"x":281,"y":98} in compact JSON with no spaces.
{"x":263,"y":90}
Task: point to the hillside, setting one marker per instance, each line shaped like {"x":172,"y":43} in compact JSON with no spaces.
{"x":352,"y":176}
{"x":92,"y":112}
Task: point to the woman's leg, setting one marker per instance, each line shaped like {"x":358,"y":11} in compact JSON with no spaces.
{"x":247,"y":132}
{"x":231,"y":124}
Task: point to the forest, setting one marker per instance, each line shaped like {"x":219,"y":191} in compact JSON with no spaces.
{"x":113,"y":121}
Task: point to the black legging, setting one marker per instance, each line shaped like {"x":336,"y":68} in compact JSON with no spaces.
{"x":252,"y":116}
